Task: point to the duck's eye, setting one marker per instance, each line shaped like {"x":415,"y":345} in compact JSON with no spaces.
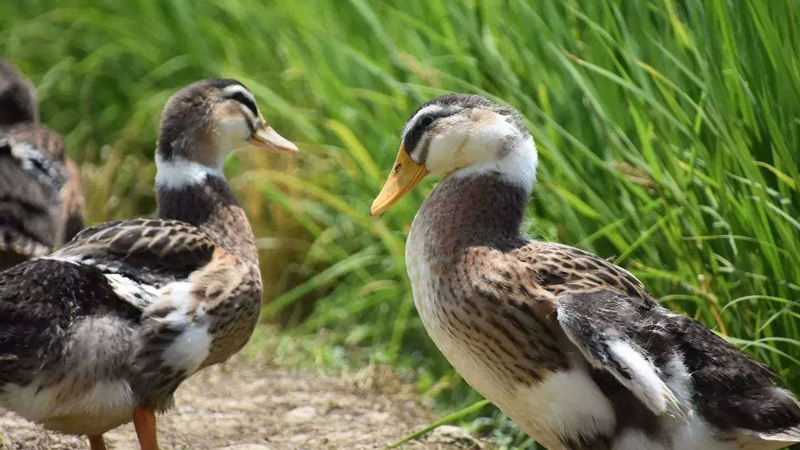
{"x":246,"y":102}
{"x":241,"y":95}
{"x":421,"y":126}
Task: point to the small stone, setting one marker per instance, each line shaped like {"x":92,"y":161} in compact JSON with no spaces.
{"x":453,"y":435}
{"x":301,"y":414}
{"x":248,"y":447}
{"x":377,"y":417}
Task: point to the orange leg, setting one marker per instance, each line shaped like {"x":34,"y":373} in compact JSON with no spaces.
{"x":144,"y":420}
{"x":97,"y":442}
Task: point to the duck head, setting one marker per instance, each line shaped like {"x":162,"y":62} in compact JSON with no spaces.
{"x":458,"y":135}
{"x":202,"y":123}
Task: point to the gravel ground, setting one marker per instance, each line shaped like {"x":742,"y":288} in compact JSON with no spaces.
{"x":239,"y":406}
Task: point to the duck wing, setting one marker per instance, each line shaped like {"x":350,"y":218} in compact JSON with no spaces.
{"x":595,"y":304}
{"x":152,"y":252}
{"x":114,"y":272}
{"x":676,"y":366}
{"x":40,"y":301}
{"x":671,"y":364}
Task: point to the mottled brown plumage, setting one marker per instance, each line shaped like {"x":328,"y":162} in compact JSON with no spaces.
{"x":41,"y":203}
{"x":569,"y":345}
{"x":105,"y":329}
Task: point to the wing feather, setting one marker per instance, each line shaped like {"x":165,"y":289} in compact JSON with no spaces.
{"x":154,"y":251}
{"x":676,"y":366}
{"x":598,"y":324}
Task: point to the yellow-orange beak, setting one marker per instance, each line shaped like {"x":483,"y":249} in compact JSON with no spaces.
{"x":405,"y":175}
{"x":267,"y":138}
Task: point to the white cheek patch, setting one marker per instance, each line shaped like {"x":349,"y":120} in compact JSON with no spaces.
{"x":445,"y":150}
{"x":474,"y":142}
{"x":232,"y":133}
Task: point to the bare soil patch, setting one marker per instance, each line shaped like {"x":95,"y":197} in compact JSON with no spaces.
{"x":241,"y":406}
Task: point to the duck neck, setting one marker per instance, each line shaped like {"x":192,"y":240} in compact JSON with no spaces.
{"x":201,"y":196}
{"x":482,"y":204}
{"x":473,"y":209}
{"x":18,"y":104}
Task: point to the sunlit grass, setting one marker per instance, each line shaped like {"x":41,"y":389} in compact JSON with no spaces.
{"x":668,"y":134}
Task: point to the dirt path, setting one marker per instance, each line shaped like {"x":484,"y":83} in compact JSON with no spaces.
{"x":239,"y":406}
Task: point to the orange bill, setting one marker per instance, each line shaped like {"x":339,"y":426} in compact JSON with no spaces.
{"x":405,"y":175}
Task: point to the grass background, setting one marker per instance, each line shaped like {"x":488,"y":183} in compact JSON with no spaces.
{"x":668,"y":134}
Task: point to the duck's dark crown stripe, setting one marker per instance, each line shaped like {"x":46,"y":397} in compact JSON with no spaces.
{"x":423,"y":123}
{"x":248,"y":103}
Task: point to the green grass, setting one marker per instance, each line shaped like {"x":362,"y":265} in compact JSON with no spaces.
{"x":668,"y":131}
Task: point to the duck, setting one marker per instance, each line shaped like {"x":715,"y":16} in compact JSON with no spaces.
{"x":570,"y":346}
{"x":41,"y":199}
{"x":102,"y":331}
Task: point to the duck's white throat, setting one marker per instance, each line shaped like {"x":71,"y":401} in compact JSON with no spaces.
{"x":517,"y":166}
{"x":179,"y":172}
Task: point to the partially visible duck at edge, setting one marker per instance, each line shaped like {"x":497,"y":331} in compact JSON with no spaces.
{"x":41,"y":201}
